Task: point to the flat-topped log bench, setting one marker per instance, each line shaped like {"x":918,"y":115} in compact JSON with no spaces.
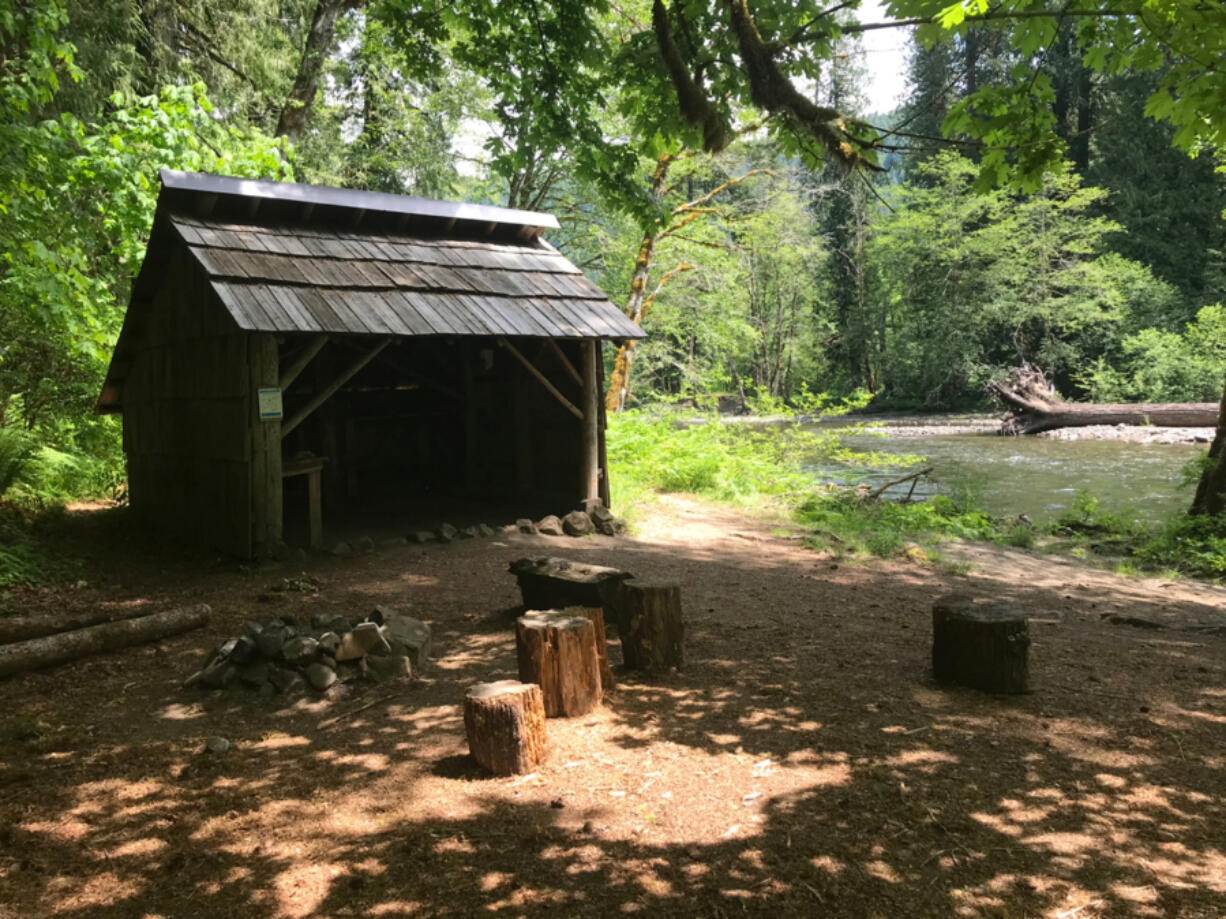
{"x":546,"y":582}
{"x":985,"y":645}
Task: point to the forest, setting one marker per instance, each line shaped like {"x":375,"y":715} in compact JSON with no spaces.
{"x":799,"y":635}
{"x":773,"y":250}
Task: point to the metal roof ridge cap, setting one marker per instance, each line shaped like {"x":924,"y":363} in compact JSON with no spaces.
{"x":327,"y":195}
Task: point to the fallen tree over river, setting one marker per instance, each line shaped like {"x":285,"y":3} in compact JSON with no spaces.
{"x":1033,"y":407}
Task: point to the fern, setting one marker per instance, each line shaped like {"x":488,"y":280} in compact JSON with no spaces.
{"x":15,"y":452}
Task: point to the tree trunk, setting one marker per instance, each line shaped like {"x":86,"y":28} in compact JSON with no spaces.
{"x":619,"y":380}
{"x":1032,"y":408}
{"x":297,"y":108}
{"x":1211,"y":491}
{"x":983,"y":646}
{"x":111,"y":636}
{"x":505,"y":725}
{"x":650,"y":625}
{"x":557,"y":651}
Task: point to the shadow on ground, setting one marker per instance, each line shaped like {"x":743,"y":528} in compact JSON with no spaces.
{"x":802,"y":764}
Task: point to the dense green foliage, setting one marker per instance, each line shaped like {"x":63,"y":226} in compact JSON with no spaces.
{"x":1071,"y":215}
{"x":725,"y":460}
{"x":1165,"y":366}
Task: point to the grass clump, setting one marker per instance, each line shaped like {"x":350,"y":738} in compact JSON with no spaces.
{"x":1190,"y":545}
{"x":1086,"y":517}
{"x":843,"y":522}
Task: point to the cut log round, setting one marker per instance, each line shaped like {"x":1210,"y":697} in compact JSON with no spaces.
{"x":650,"y":625}
{"x":1033,"y":408}
{"x":505,"y":725}
{"x":110,"y":636}
{"x":557,"y":651}
{"x":986,"y":646}
{"x":546,"y":582}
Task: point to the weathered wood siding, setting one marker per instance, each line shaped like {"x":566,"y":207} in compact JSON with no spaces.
{"x":189,"y":414}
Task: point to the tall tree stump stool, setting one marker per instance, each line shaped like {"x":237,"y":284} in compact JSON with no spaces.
{"x":505,"y":724}
{"x":557,"y":652}
{"x":547,"y":582}
{"x":596,"y":615}
{"x":983,"y":645}
{"x":650,"y":625}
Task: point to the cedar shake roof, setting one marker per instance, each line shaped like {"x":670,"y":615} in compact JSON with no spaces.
{"x":288,"y":258}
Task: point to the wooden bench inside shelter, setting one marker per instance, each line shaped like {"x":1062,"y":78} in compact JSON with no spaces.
{"x":310,"y":467}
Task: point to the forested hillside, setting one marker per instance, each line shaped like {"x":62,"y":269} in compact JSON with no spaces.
{"x":1024,"y":204}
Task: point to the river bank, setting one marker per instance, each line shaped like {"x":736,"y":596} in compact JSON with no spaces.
{"x":929,"y":425}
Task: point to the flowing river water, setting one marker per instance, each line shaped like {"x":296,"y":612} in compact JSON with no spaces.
{"x":1037,"y":476}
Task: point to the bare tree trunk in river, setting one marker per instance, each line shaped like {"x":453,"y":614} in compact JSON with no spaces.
{"x":1033,"y":408}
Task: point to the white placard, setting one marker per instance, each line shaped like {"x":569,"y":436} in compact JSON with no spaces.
{"x":270,"y":404}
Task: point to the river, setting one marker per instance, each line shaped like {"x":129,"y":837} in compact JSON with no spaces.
{"x":1036,"y":476}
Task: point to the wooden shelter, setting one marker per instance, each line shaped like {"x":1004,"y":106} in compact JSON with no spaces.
{"x":295,"y":344}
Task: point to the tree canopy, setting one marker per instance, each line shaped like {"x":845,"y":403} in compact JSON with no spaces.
{"x":1047,"y":192}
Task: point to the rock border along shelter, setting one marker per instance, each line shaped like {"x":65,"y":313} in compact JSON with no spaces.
{"x":352,"y":349}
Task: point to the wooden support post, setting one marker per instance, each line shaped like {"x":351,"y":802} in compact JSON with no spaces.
{"x":606,"y":494}
{"x":589,"y":493}
{"x":544,"y":381}
{"x":981,"y":645}
{"x":315,"y":510}
{"x":469,"y":389}
{"x":266,"y":434}
{"x":299,"y":363}
{"x":505,"y":725}
{"x":650,"y":625}
{"x":328,"y":391}
{"x":557,"y":651}
{"x":523,"y":432}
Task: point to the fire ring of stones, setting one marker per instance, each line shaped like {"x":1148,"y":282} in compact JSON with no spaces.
{"x":280,"y":655}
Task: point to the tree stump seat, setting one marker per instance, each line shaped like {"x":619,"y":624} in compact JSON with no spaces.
{"x":982,"y":645}
{"x":650,"y":625}
{"x":557,"y":651}
{"x":505,"y":725}
{"x":547,"y":582}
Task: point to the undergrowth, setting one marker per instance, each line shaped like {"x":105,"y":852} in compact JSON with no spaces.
{"x":22,"y":562}
{"x":749,"y":464}
{"x":843,"y":522}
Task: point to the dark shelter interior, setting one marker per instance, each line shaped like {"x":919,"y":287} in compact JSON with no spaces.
{"x":435,"y":429}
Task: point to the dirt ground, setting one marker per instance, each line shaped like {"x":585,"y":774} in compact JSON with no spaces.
{"x":803,"y":763}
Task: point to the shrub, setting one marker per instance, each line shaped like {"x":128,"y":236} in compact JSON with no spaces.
{"x":15,"y":451}
{"x":1194,"y":545}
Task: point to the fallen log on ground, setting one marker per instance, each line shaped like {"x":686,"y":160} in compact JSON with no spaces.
{"x":23,"y":628}
{"x":1033,"y":408}
{"x":110,"y":636}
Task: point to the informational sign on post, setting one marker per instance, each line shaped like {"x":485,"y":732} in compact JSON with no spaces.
{"x":270,"y":404}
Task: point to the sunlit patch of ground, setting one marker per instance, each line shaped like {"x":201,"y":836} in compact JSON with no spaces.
{"x":803,"y":763}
